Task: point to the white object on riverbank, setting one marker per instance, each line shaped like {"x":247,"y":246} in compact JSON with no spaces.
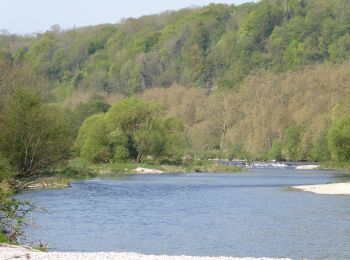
{"x":306,"y":167}
{"x":19,"y":252}
{"x":147,"y":170}
{"x":327,"y":189}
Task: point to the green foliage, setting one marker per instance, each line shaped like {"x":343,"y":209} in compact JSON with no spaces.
{"x":339,"y":139}
{"x":121,"y":153}
{"x":217,"y":45}
{"x":33,"y":135}
{"x":12,"y":217}
{"x":83,"y":110}
{"x":276,"y":150}
{"x":291,"y":143}
{"x":150,"y":41}
{"x":6,"y":172}
{"x":339,"y":50}
{"x":4,"y":238}
{"x":319,"y":152}
{"x":263,"y":57}
{"x":92,"y":140}
{"x":12,"y":211}
{"x":131,"y":129}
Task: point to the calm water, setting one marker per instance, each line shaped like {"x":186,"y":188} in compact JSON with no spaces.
{"x":248,"y":214}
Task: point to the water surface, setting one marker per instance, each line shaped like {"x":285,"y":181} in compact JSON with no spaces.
{"x":244,"y":214}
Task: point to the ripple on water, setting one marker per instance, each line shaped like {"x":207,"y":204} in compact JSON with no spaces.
{"x":249,"y":214}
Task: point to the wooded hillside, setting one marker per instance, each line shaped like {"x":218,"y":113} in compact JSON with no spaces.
{"x":211,"y":47}
{"x":260,"y":80}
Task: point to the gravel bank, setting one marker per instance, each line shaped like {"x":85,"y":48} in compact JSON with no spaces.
{"x":19,"y":252}
{"x":327,"y":189}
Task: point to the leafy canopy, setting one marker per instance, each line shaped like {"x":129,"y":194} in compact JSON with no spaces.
{"x":131,"y":129}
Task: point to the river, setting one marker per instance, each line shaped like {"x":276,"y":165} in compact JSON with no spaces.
{"x":244,"y":214}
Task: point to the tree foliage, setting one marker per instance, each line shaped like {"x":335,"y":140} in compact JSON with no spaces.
{"x":284,"y":116}
{"x":131,"y":129}
{"x":339,"y":139}
{"x":259,"y":80}
{"x":32,"y":133}
{"x":214,"y":46}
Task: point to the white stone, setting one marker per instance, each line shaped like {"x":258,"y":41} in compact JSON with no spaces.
{"x":327,"y":189}
{"x":147,"y":170}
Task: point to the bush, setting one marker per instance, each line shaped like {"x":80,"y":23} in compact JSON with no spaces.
{"x":291,"y":143}
{"x":121,"y":154}
{"x":5,"y":169}
{"x":339,"y":140}
{"x":131,"y":129}
{"x":276,"y":150}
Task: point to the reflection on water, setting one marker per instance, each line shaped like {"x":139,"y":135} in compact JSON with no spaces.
{"x":244,"y":214}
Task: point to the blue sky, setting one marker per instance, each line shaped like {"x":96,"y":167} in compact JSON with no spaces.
{"x":29,"y":16}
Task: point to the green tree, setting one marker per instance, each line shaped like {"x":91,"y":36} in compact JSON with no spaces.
{"x":131,"y":129}
{"x":96,"y":104}
{"x":276,"y":150}
{"x":33,"y":135}
{"x":319,"y":151}
{"x":6,"y":172}
{"x":92,"y":140}
{"x":339,"y":139}
{"x":291,"y":143}
{"x":12,"y":211}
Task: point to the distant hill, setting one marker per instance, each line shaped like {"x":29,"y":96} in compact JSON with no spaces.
{"x":262,"y":80}
{"x":211,"y":47}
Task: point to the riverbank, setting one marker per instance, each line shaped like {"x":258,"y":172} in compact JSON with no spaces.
{"x":144,"y":168}
{"x":334,"y":165}
{"x":75,"y":170}
{"x":21,"y":252}
{"x":326,"y":189}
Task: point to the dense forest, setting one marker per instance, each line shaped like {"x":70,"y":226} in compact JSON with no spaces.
{"x":260,"y":80}
{"x":266,"y":80}
{"x":214,"y":47}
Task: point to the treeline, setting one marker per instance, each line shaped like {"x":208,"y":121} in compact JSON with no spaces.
{"x":37,"y":134}
{"x":293,"y":116}
{"x":282,"y":117}
{"x":216,"y":46}
{"x":241,"y":108}
{"x":258,"y":80}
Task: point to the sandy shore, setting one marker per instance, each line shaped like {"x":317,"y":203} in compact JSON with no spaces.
{"x":327,"y":189}
{"x":19,"y":252}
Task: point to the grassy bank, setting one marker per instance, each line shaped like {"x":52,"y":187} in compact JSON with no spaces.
{"x":165,"y":167}
{"x":334,"y":165}
{"x":4,"y":238}
{"x":78,"y":169}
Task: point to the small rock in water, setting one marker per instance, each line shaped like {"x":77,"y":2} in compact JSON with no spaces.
{"x":306,"y":167}
{"x":146,"y":170}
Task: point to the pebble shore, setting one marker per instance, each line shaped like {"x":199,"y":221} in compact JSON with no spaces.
{"x":8,"y":252}
{"x":327,"y":189}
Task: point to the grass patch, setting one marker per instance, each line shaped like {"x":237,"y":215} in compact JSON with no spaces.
{"x":4,"y":238}
{"x":167,"y":167}
{"x":121,"y":168}
{"x":343,"y":166}
{"x":78,"y":169}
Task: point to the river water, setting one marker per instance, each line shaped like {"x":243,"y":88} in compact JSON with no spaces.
{"x":244,"y":214}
